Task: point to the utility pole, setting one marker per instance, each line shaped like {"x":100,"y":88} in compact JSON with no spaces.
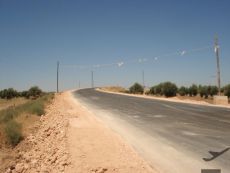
{"x":57,"y":75}
{"x":79,"y":84}
{"x":216,"y":48}
{"x":92,"y":80}
{"x":143,"y":78}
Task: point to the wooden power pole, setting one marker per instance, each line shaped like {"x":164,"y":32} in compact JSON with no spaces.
{"x":57,"y":76}
{"x":216,"y":46}
{"x":92,"y":80}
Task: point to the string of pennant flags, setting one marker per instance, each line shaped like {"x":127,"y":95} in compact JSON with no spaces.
{"x":139,"y":60}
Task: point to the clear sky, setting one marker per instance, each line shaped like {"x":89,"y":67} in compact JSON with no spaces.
{"x":35,"y":34}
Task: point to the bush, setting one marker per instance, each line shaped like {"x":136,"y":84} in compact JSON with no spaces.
{"x":206,"y":91}
{"x":169,"y":89}
{"x":136,"y":89}
{"x":213,"y":90}
{"x":34,"y":92}
{"x":203,"y":90}
{"x":8,"y":93}
{"x":183,"y":91}
{"x":25,"y":94}
{"x":7,"y":115}
{"x":193,"y":90}
{"x":37,"y":108}
{"x":159,"y":89}
{"x":13,"y":132}
{"x":227,"y":90}
{"x":152,"y":91}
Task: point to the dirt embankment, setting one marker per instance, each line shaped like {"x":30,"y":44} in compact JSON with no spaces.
{"x":45,"y":150}
{"x":70,"y":139}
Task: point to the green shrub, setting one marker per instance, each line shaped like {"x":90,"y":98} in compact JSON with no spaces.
{"x":136,"y":89}
{"x":8,"y":114}
{"x":193,"y":90}
{"x":159,"y":89}
{"x":227,"y":90}
{"x":169,"y":89}
{"x":8,"y":93}
{"x":13,"y":132}
{"x":25,"y":94}
{"x":203,"y":90}
{"x":183,"y":91}
{"x":37,"y":108}
{"x":213,"y":90}
{"x":152,"y":90}
{"x":206,"y":91}
{"x":166,"y":88}
{"x":35,"y":92}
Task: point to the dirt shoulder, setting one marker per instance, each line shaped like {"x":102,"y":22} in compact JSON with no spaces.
{"x":93,"y":147}
{"x":172,"y":99}
{"x":70,"y":139}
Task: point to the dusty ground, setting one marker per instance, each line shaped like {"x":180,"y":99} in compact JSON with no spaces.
{"x":70,"y":139}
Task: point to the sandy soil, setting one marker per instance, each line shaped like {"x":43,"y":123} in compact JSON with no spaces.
{"x":95,"y":148}
{"x":70,"y":139}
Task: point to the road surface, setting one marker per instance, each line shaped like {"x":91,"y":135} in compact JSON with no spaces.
{"x":172,"y":137}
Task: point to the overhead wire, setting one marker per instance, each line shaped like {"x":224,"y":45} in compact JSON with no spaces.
{"x":138,"y":60}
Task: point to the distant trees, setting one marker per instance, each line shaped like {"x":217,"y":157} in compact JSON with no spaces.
{"x":136,"y":88}
{"x":10,"y":93}
{"x":183,"y":91}
{"x":169,"y":89}
{"x":206,"y":91}
{"x":226,"y":90}
{"x":34,"y":92}
{"x":193,"y":90}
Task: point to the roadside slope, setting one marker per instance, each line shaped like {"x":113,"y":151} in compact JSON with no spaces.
{"x":69,"y":139}
{"x":95,"y":148}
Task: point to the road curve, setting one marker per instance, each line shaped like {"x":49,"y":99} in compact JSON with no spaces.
{"x":172,"y":137}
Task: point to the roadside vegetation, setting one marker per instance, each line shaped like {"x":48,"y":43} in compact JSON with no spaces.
{"x":10,"y":126}
{"x":169,"y":89}
{"x":136,"y":89}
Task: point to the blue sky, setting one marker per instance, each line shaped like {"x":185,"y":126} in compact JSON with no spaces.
{"x":34,"y":35}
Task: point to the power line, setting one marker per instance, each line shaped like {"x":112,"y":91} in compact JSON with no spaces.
{"x":139,"y":60}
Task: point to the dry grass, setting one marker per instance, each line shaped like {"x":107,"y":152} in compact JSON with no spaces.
{"x":114,"y":89}
{"x":196,"y":98}
{"x":17,"y":122}
{"x":4,"y":103}
{"x":23,"y":114}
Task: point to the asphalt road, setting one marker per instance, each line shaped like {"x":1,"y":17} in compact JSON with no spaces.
{"x":172,"y":137}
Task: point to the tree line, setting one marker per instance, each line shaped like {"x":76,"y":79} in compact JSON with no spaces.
{"x":33,"y":92}
{"x":169,"y":89}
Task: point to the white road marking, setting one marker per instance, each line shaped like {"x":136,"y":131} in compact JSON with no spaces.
{"x":136,"y":116}
{"x":172,"y":107}
{"x":159,"y":116}
{"x":94,"y":98}
{"x":189,"y":133}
